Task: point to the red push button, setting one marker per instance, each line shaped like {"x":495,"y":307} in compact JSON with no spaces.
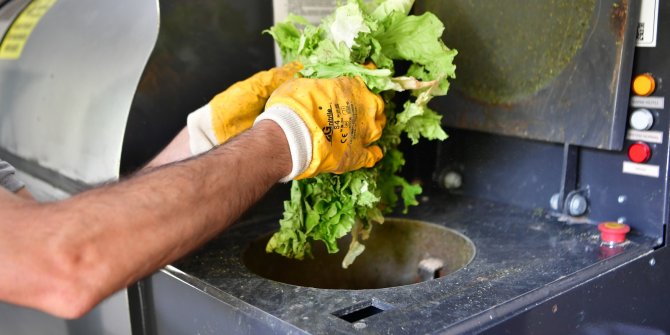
{"x":613,"y":232}
{"x":639,"y":152}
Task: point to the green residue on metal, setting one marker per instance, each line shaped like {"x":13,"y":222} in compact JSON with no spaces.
{"x":510,"y":49}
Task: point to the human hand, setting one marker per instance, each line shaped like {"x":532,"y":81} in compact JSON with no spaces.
{"x":329,"y":124}
{"x":234,"y":110}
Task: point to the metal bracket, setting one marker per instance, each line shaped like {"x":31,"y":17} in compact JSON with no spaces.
{"x":568,"y":174}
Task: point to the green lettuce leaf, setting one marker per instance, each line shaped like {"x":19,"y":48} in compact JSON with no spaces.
{"x":329,"y":206}
{"x":385,"y":8}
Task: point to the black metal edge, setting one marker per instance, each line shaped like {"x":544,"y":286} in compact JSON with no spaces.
{"x":240,"y":305}
{"x":622,"y":90}
{"x":569,"y":174}
{"x":139,"y":302}
{"x":515,"y":307}
{"x":51,"y":177}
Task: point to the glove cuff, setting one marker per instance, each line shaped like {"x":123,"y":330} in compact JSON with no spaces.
{"x":297,"y":135}
{"x":201,"y":136}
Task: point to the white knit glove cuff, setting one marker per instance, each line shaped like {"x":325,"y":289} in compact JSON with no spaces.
{"x":201,"y":136}
{"x":297,"y":135}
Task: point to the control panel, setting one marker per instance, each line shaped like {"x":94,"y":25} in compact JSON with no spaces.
{"x":630,"y":186}
{"x":645,"y":133}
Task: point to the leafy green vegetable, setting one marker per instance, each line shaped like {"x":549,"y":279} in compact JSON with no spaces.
{"x":329,"y":206}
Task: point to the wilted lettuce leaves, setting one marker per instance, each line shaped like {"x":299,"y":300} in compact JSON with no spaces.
{"x":329,"y":206}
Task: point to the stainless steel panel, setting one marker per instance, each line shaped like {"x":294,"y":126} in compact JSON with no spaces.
{"x":109,"y":318}
{"x":23,"y":321}
{"x":204,"y":46}
{"x":9,"y":11}
{"x":64,"y":104}
{"x":179,"y":307}
{"x":41,"y":190}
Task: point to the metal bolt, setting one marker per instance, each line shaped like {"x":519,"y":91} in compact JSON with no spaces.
{"x":360,"y":325}
{"x":452,"y":180}
{"x":621,"y":199}
{"x":553,"y":201}
{"x":652,"y":262}
{"x":577,"y":205}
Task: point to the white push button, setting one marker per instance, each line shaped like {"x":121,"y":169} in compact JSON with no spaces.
{"x":641,"y":119}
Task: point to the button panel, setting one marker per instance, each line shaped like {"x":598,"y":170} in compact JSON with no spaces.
{"x":643,"y":117}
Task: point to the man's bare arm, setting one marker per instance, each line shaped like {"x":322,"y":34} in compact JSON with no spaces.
{"x":178,"y":149}
{"x":65,"y":257}
{"x":24,"y":193}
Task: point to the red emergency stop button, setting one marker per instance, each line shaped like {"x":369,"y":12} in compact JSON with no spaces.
{"x":644,"y":84}
{"x":639,"y":152}
{"x":613,"y":232}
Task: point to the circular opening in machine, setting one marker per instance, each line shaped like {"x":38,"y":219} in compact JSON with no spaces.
{"x":398,"y":252}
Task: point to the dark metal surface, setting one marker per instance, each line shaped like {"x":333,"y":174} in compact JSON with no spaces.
{"x":393,"y":256}
{"x":569,"y":174}
{"x":643,"y":202}
{"x":503,"y":169}
{"x":203,"y":47}
{"x":629,"y":300}
{"x":585,"y":104}
{"x":181,"y":309}
{"x":527,"y":173}
{"x":140,"y":307}
{"x":532,"y":272}
{"x":554,"y":257}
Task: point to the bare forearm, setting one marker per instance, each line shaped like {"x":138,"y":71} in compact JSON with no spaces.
{"x":201,"y":196}
{"x":24,"y":193}
{"x":178,"y":149}
{"x":111,"y":237}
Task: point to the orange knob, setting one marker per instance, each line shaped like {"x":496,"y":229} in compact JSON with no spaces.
{"x":644,"y":85}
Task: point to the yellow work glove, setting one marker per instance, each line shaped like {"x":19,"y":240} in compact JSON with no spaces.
{"x":329,"y":124}
{"x":235,"y":109}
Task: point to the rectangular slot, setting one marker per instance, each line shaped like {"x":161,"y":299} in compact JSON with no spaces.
{"x":361,"y":314}
{"x":362,"y":311}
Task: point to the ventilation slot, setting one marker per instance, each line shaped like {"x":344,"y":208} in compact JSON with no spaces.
{"x":362,"y":311}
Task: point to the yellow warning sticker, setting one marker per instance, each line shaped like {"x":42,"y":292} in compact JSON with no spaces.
{"x":19,"y":32}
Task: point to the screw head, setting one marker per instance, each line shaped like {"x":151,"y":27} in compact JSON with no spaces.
{"x":452,"y":180}
{"x":553,"y":201}
{"x":577,"y":205}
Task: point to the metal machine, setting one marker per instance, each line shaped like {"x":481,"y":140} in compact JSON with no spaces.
{"x":557,"y":123}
